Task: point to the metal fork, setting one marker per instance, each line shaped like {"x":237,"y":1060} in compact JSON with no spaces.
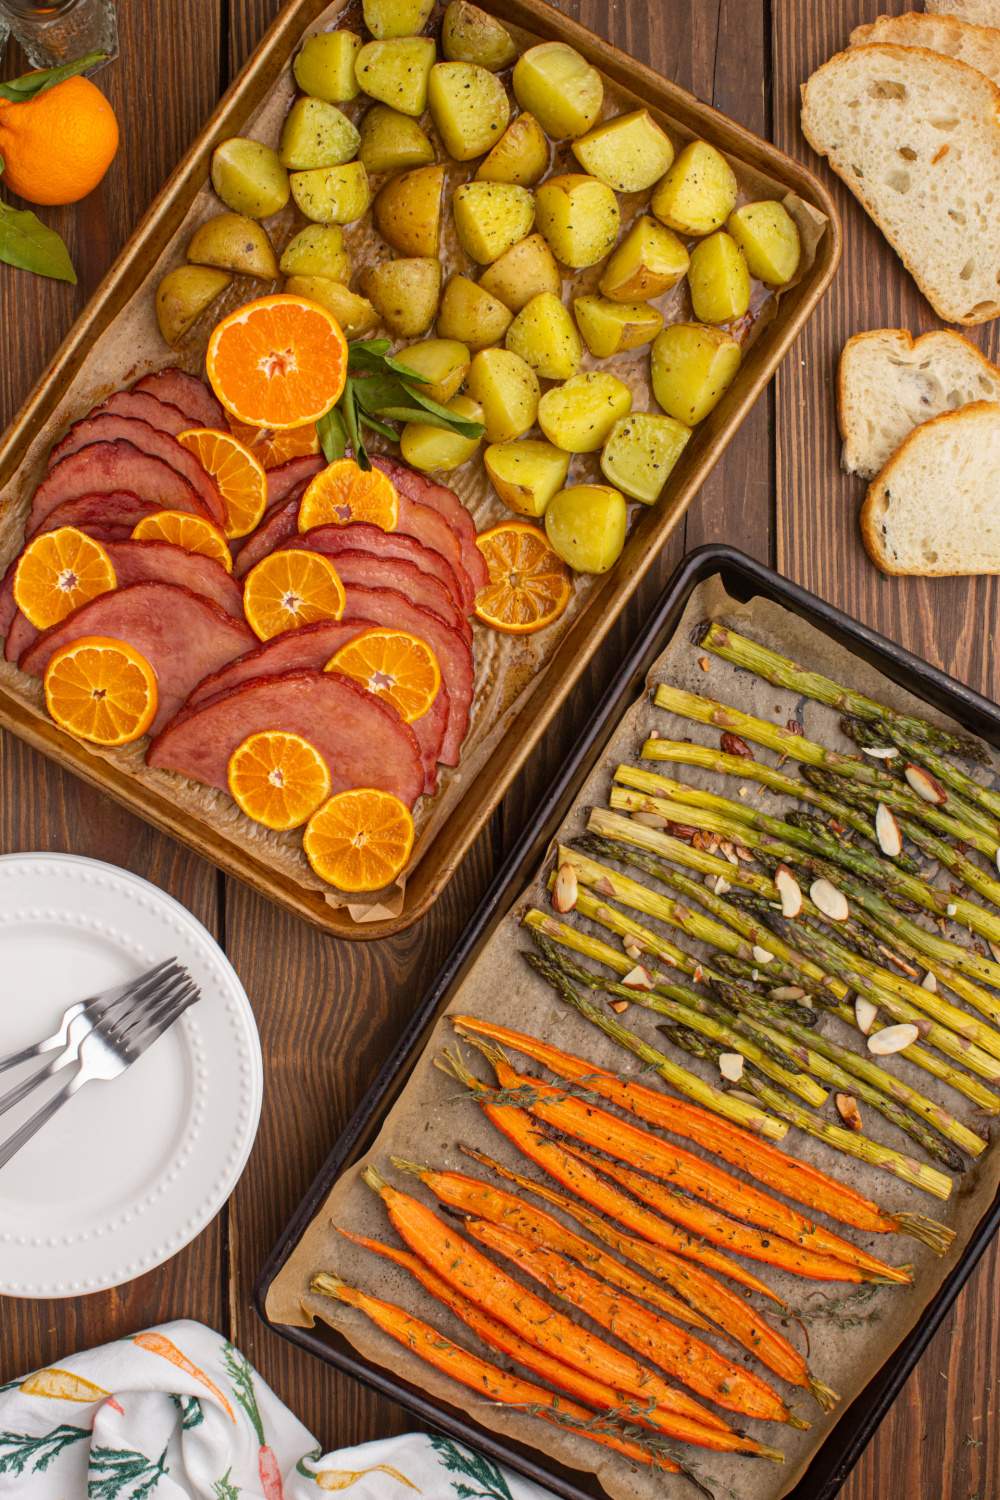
{"x":116,"y":1040}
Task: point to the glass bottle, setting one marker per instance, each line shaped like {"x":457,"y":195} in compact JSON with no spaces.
{"x":61,"y":30}
{"x":4,"y":34}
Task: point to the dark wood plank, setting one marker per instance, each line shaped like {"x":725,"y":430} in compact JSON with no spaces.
{"x":940,"y":1438}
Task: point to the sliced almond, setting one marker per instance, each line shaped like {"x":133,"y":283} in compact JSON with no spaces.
{"x":995,"y":950}
{"x":731,"y":1066}
{"x":566,"y":889}
{"x":893,"y":1039}
{"x":998,"y":859}
{"x":762,"y":955}
{"x":865,"y":1013}
{"x":847,"y":1109}
{"x":618,"y":1006}
{"x":651,"y":820}
{"x":633,"y":948}
{"x":789,"y":890}
{"x":729,"y":852}
{"x":788,"y":992}
{"x":925,"y":785}
{"x":880,"y":752}
{"x":720,"y":885}
{"x":890,"y":840}
{"x":929,"y":982}
{"x":831,"y":902}
{"x":638,"y":978}
{"x":951,"y":908}
{"x":697,"y":973}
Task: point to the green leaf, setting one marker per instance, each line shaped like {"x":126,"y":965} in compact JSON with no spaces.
{"x":366,"y":354}
{"x":382,"y":428}
{"x":30,"y":85}
{"x":415,"y":414}
{"x":449,"y":418}
{"x":349,"y":411}
{"x":30,"y":245}
{"x":332,"y":436}
{"x":373,"y":393}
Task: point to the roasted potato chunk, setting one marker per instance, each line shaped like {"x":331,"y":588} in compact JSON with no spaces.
{"x":407,"y":211}
{"x":560,"y":88}
{"x":579,"y":218}
{"x":234,"y":243}
{"x":317,"y":250}
{"x":522,"y":272}
{"x":469,"y":35}
{"x":526,"y":474}
{"x":442,"y":365}
{"x":585,"y":525}
{"x":613,"y":327}
{"x":544,"y":335}
{"x":317,"y":134}
{"x":427,"y":447}
{"x":629,"y":153}
{"x":490,"y":217}
{"x":469,"y":314}
{"x":249,"y":178}
{"x":649,"y":261}
{"x":640,"y":452}
{"x":324,"y":66}
{"x":392,"y":18}
{"x":469,"y":106}
{"x":355,"y":314}
{"x":769,"y":238}
{"x":396,"y":72}
{"x":698,"y":193}
{"x":332,"y":195}
{"x":692,"y":366}
{"x":719,"y":279}
{"x":506,"y":388}
{"x":579,"y":415}
{"x":391,"y":142}
{"x":404,"y":293}
{"x":183,"y":295}
{"x":521,"y":154}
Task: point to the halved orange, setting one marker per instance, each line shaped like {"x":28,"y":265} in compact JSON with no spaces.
{"x":359,"y":840}
{"x":396,"y":666}
{"x":57,"y":572}
{"x":181,"y":529}
{"x":529,"y":585}
{"x":238,"y":473}
{"x":343,"y":492}
{"x":101,"y":690}
{"x":274,"y":448}
{"x":278,"y":778}
{"x":292,"y":588}
{"x":278,"y":362}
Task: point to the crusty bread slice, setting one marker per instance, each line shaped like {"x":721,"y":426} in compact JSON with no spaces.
{"x":916,"y":137}
{"x":888,"y":383}
{"x":979,"y":46}
{"x":933,"y":509}
{"x":978,"y":12}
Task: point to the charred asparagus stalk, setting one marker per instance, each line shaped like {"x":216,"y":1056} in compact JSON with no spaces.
{"x":971,"y":791}
{"x":901,"y":800}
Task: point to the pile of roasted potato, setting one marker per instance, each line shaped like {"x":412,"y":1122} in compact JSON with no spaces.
{"x":380,"y":125}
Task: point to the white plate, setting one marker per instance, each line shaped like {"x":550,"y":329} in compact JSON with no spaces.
{"x":129,"y":1171}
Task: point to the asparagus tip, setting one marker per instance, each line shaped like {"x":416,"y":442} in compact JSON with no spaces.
{"x":928,"y":1231}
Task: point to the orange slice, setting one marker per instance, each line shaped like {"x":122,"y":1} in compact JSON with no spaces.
{"x":287,"y":589}
{"x":278,"y":362}
{"x":238,"y":473}
{"x":359,"y":840}
{"x":193,"y":533}
{"x":57,"y":572}
{"x":278,"y":778}
{"x":396,"y":666}
{"x":274,"y":448}
{"x":529,"y":585}
{"x":343,"y":492}
{"x":101,"y":690}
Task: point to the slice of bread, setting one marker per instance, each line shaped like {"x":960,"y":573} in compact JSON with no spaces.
{"x":888,"y":383}
{"x":933,"y":510}
{"x":979,"y":46}
{"x":979,"y":12}
{"x":916,"y":137}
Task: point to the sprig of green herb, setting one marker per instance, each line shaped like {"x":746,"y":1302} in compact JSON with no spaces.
{"x":30,"y":85}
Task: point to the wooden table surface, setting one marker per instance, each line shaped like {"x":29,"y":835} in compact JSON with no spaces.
{"x":329,"y":1011}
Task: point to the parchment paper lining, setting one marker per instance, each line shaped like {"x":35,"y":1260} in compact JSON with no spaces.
{"x":431,"y":1117}
{"x":507,"y":669}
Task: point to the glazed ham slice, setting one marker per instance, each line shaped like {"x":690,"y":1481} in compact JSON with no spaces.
{"x":293,"y":475}
{"x":106,"y":467}
{"x":279,"y":526}
{"x":359,"y":536}
{"x":438,"y":497}
{"x":377,"y":572}
{"x":189,"y":394}
{"x":142,"y":408}
{"x":183,"y":636}
{"x":363,"y":740}
{"x":107,"y":427}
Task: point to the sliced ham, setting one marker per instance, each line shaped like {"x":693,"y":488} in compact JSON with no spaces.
{"x":293,"y":475}
{"x":106,"y":467}
{"x":183,"y":636}
{"x":142,"y":408}
{"x":107,"y":427}
{"x":189,"y":394}
{"x":363,"y":740}
{"x":97,"y":514}
{"x":428,"y":492}
{"x":309,"y":649}
{"x":377,"y":572}
{"x":280,"y":525}
{"x":359,"y":536}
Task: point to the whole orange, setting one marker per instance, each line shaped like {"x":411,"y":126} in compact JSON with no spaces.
{"x":57,"y":146}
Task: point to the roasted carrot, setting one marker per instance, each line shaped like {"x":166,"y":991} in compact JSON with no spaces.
{"x":653,"y":1338}
{"x":731,"y":1313}
{"x":818,"y":1251}
{"x":430,"y":1345}
{"x":470,"y":1272}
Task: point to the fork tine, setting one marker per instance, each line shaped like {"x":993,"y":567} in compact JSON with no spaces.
{"x":135,"y":1000}
{"x":125,"y":1028}
{"x":143,"y":1039}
